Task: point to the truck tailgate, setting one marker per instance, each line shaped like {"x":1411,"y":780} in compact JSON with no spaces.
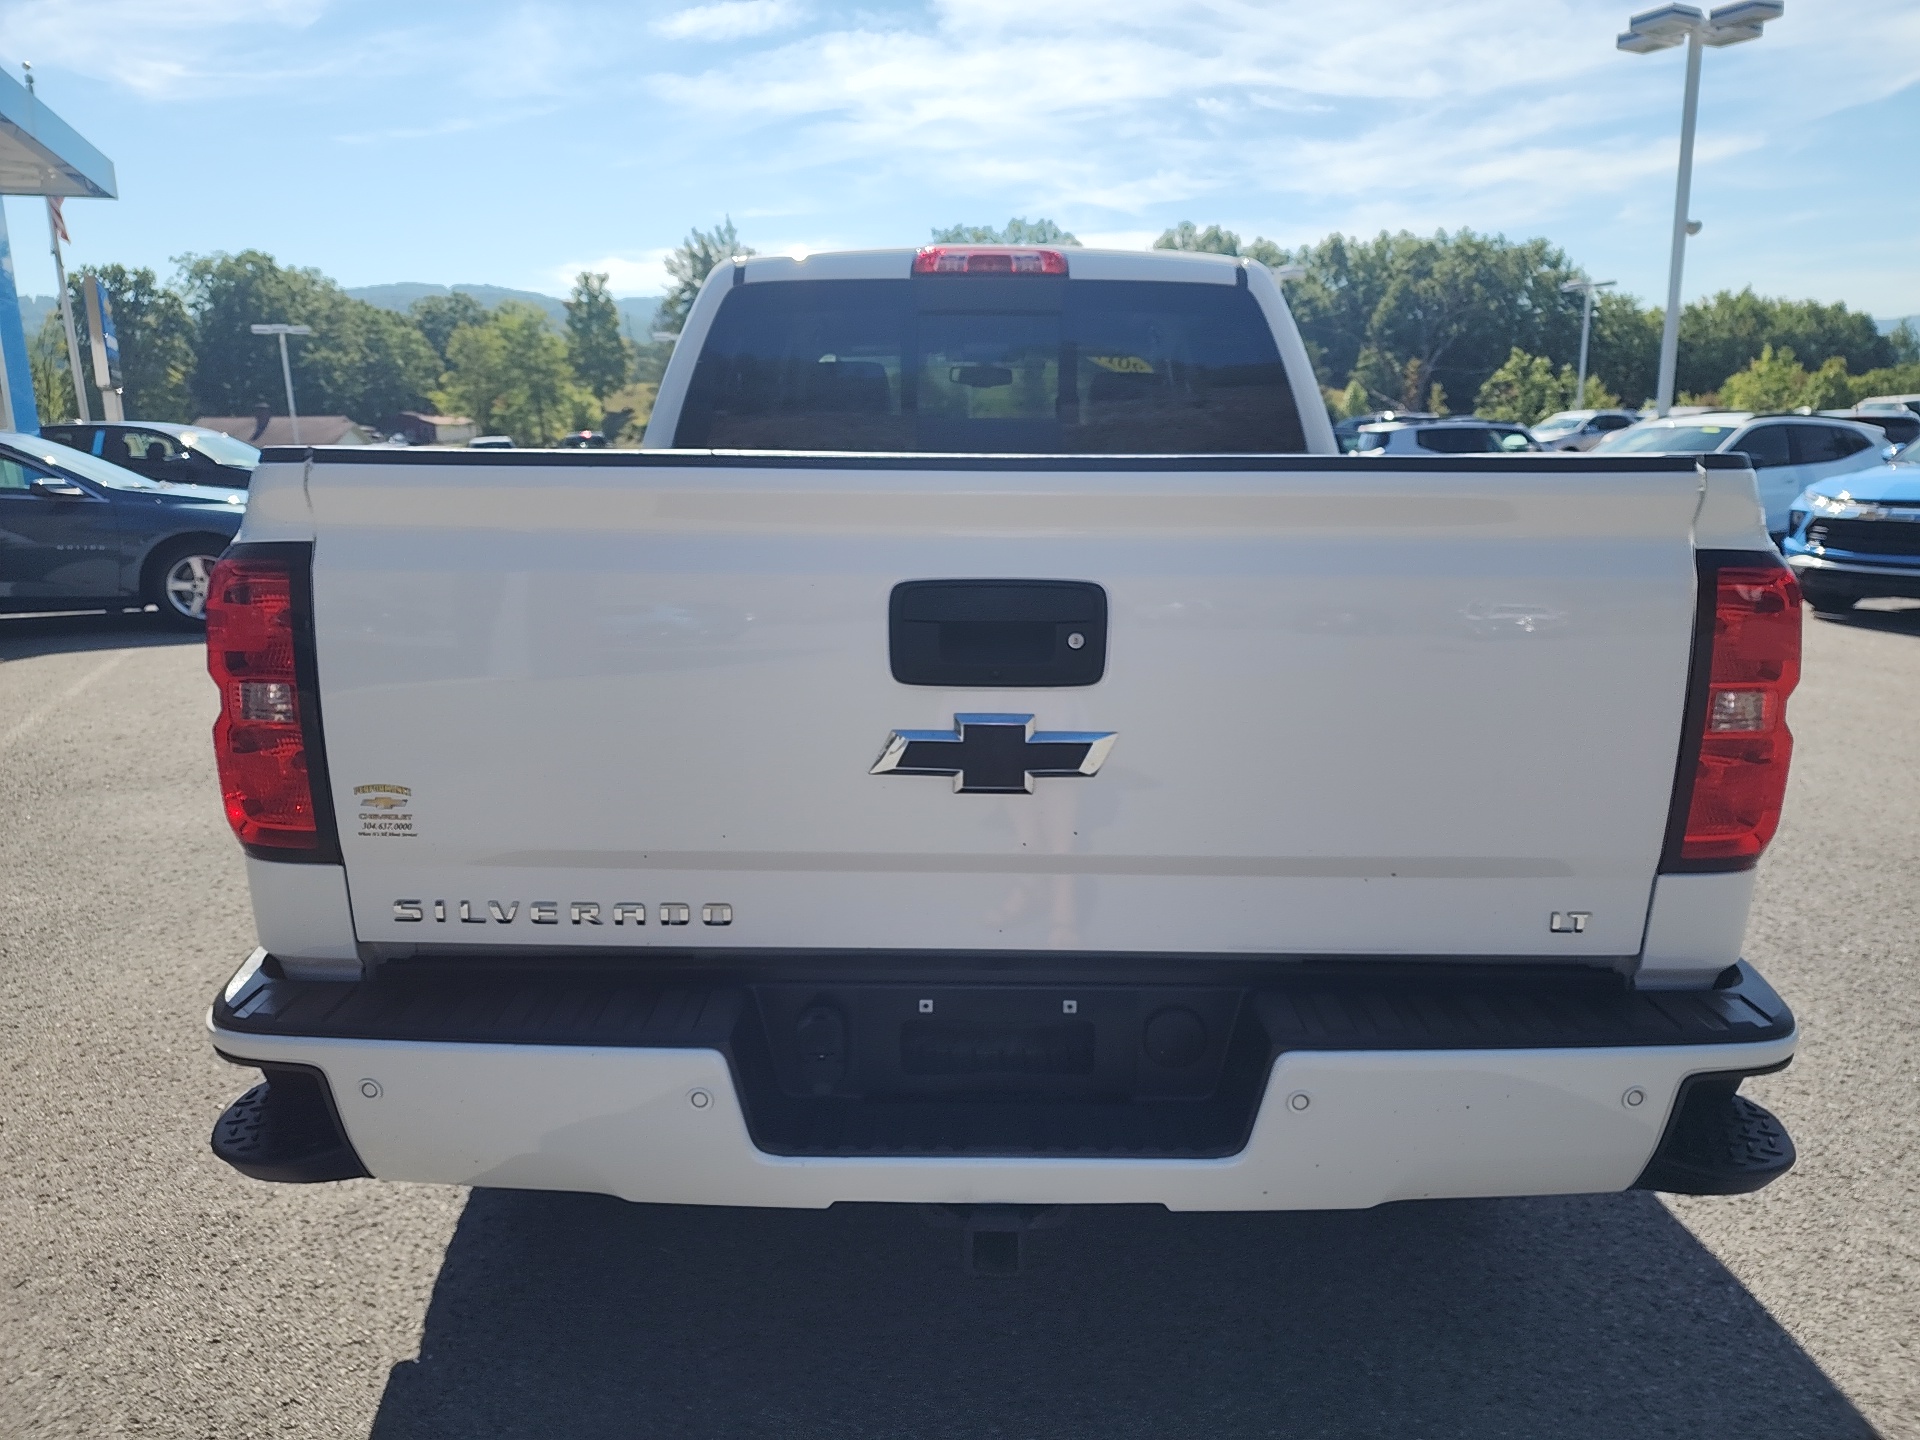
{"x":1357,"y":709}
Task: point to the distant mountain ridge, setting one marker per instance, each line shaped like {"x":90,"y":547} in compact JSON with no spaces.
{"x":636,"y":311}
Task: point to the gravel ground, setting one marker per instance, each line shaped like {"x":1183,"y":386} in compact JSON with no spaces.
{"x":148,"y":1290}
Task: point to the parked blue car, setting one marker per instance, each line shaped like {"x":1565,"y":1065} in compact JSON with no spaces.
{"x":1855,"y":537}
{"x":78,"y":533}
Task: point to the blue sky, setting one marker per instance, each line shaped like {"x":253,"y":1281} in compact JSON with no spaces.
{"x":514,"y":144}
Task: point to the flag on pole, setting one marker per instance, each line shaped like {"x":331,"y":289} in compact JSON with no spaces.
{"x":59,"y":220}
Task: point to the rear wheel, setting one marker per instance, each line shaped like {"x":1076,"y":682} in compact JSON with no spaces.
{"x":178,"y":581}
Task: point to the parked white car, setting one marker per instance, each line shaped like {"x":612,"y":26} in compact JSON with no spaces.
{"x":1443,"y":437}
{"x":1580,"y":429}
{"x":1789,"y":452}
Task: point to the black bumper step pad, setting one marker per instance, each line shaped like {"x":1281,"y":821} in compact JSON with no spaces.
{"x":1006,"y":1098}
{"x":287,"y":1129}
{"x":1717,"y":1143}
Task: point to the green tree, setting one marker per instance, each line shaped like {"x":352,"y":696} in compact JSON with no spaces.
{"x":157,"y":344}
{"x":1625,"y":345}
{"x":1728,"y":332}
{"x":650,"y":360}
{"x":1345,"y":404}
{"x":47,"y":359}
{"x":510,"y":373}
{"x":438,"y":316}
{"x":1017,"y":231}
{"x":595,"y":348}
{"x":1190,"y":237}
{"x":1777,"y":381}
{"x":360,"y":361}
{"x":1523,"y":389}
{"x":1774,"y":381}
{"x":1402,"y":312}
{"x":1526,"y":389}
{"x":1904,"y":341}
{"x":1902,"y":379}
{"x":1453,"y":307}
{"x":1215,"y":241}
{"x":691,"y":263}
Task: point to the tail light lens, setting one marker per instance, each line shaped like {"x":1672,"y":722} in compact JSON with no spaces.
{"x":1740,"y":777}
{"x":259,"y":739}
{"x":978,"y":260}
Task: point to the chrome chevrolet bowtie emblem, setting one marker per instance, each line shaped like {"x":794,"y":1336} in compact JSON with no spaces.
{"x":994,"y":754}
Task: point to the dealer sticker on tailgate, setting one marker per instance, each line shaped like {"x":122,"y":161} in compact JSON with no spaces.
{"x":385,"y":810}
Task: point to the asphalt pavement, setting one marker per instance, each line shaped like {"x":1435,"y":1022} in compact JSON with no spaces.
{"x":147,"y":1290}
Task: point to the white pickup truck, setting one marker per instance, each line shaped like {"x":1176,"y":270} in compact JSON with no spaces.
{"x":990,"y":749}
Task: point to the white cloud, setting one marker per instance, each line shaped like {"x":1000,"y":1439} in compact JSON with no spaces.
{"x":1119,"y":239}
{"x":1124,"y":106}
{"x":730,"y":20}
{"x":635,"y":272}
{"x":305,"y":50}
{"x":161,"y":50}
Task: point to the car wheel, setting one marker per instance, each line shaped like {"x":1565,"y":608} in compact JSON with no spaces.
{"x":1824,"y":599}
{"x":180,"y":578}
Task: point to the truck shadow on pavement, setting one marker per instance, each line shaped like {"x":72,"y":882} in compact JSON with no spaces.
{"x":25,"y":636}
{"x":1896,"y":619}
{"x":573,"y":1315}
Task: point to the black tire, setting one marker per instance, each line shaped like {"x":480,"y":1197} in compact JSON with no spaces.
{"x":177,"y":580}
{"x":1824,"y":599}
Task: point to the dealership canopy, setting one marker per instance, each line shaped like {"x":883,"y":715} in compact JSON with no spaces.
{"x":40,"y":154}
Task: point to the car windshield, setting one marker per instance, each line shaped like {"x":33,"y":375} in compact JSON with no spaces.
{"x":221,"y":449}
{"x":78,"y":462}
{"x":1686,"y":439}
{"x":987,"y":365}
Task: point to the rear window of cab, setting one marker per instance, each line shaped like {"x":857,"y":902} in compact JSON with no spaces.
{"x":973,"y":364}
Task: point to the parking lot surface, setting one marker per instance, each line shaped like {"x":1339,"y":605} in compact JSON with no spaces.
{"x":147,"y":1290}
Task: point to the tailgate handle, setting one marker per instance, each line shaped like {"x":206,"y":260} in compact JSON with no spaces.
{"x":1004,"y":633}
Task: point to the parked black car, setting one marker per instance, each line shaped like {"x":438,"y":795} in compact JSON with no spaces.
{"x":161,"y":450}
{"x":77,"y":534}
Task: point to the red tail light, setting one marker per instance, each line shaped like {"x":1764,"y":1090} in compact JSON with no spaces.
{"x":976,"y":260}
{"x":1740,"y":777}
{"x":259,"y":740}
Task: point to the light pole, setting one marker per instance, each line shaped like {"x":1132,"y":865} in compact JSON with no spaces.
{"x":286,"y":368}
{"x":1586,"y":289}
{"x":1661,"y":29}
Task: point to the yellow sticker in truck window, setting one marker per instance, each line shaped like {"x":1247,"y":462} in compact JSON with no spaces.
{"x":1123,"y":364}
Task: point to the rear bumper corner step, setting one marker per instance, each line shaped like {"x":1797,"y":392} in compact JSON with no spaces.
{"x":1717,"y":1143}
{"x":287,"y":1129}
